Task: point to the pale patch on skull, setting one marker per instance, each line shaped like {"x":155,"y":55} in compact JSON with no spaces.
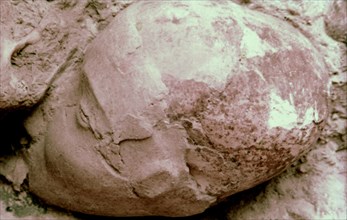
{"x":282,"y":113}
{"x":252,"y":45}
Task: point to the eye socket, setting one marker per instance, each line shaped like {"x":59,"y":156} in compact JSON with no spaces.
{"x":82,"y":118}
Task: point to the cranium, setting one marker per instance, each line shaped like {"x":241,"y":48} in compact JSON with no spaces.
{"x":179,"y":105}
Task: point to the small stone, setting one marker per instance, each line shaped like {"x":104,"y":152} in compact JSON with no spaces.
{"x":15,"y":170}
{"x":304,"y":168}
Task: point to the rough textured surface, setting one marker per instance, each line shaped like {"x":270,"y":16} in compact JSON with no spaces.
{"x":336,"y":21}
{"x":320,"y":169}
{"x":20,"y":87}
{"x":175,"y":111}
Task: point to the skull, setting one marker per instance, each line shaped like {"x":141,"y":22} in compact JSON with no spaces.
{"x":178,"y":105}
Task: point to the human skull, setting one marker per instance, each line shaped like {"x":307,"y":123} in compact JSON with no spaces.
{"x":179,"y":105}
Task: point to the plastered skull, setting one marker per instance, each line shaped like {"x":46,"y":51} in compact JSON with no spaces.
{"x":179,"y":105}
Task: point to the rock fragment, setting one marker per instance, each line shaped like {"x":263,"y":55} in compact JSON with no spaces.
{"x":336,"y":20}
